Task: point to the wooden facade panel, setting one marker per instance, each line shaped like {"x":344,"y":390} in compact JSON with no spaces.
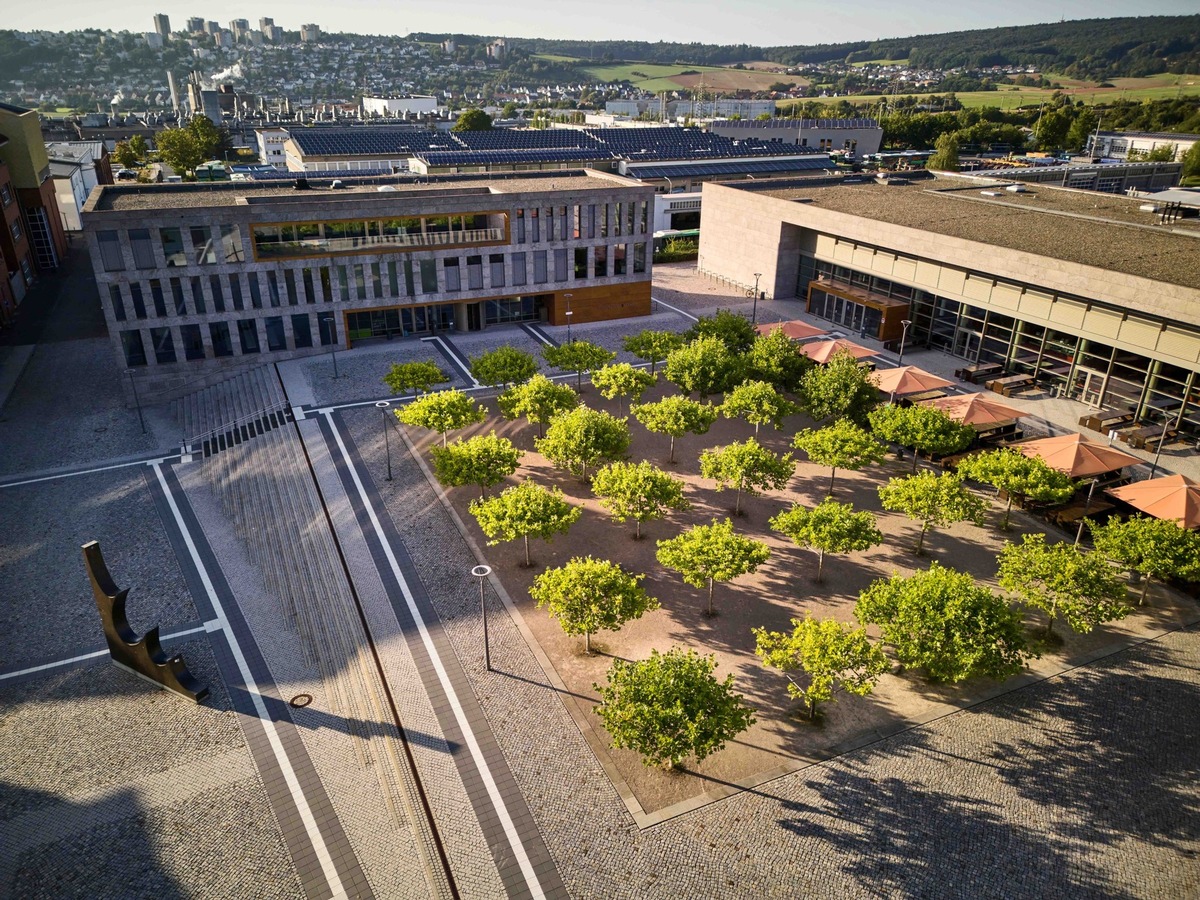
{"x":1102,"y":323}
{"x":1140,"y":333}
{"x":598,"y":304}
{"x":952,"y":281}
{"x":1068,"y":314}
{"x":1180,"y":344}
{"x":864,"y":258}
{"x":978,"y":288}
{"x":905,"y":268}
{"x":1036,"y":305}
{"x":927,"y":274}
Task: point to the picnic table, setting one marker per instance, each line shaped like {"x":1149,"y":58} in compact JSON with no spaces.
{"x":994,"y":432}
{"x":1106,"y":420}
{"x":1149,"y":436}
{"x":910,"y":399}
{"x":1010,"y":384}
{"x":976,"y":373}
{"x":1073,"y":512}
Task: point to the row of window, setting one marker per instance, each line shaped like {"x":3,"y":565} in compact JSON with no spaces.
{"x":281,"y":241}
{"x":239,"y":291}
{"x":206,"y":245}
{"x":582,"y":221}
{"x":252,"y":335}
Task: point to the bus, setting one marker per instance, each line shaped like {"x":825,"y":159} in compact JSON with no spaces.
{"x":662,"y":238}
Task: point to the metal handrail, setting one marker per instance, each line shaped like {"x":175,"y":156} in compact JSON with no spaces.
{"x":281,"y":406}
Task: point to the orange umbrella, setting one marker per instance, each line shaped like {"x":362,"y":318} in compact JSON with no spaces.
{"x":1077,"y":457}
{"x":1174,"y":497}
{"x":975,"y":409}
{"x":794,"y":329}
{"x":908,"y":380}
{"x":823,"y":351}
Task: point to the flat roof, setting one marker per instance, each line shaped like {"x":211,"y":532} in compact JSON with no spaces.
{"x":1107,"y":231}
{"x":119,"y":198}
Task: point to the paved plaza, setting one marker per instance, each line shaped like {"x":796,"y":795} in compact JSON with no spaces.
{"x":292,"y":778}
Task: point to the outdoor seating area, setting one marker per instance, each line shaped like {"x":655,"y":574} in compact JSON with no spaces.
{"x":1010,"y":385}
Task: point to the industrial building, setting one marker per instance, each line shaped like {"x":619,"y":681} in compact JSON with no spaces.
{"x":857,"y":137}
{"x":1120,"y":144}
{"x":199,"y":280}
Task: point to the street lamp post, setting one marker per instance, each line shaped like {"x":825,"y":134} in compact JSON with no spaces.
{"x":482,"y":572}
{"x":329,"y":320}
{"x":136,"y":401}
{"x":754,"y":314}
{"x":382,"y":406}
{"x":904,"y":323}
{"x":1162,"y":439}
{"x":567,"y":297}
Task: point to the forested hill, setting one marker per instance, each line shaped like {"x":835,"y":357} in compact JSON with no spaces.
{"x":1094,"y":49}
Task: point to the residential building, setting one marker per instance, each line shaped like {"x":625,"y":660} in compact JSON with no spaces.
{"x":1120,"y":144}
{"x":213,"y":28}
{"x":195,"y":25}
{"x":154,"y":40}
{"x":265,"y":24}
{"x":77,"y":167}
{"x":497,"y":49}
{"x":310,"y":34}
{"x":16,"y":260}
{"x":270,"y":145}
{"x":240,"y":29}
{"x":198,"y":280}
{"x":856,"y":136}
{"x":162,"y":26}
{"x":22,"y":148}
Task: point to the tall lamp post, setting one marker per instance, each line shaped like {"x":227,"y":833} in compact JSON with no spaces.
{"x":482,"y":572}
{"x":567,"y":297}
{"x":329,"y":320}
{"x":136,"y":400}
{"x":754,"y":314}
{"x":904,"y":323}
{"x":382,"y":406}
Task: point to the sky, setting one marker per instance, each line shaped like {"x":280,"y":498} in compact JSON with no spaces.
{"x":756,"y":22}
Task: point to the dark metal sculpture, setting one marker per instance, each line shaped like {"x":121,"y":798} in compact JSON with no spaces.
{"x":145,"y":656}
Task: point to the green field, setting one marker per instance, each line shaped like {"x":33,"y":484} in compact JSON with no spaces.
{"x":654,"y":77}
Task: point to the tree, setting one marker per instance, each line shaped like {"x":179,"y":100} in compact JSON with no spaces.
{"x":1157,"y":548}
{"x":748,"y":467}
{"x":483,"y":460}
{"x":706,"y":554}
{"x":442,"y":411}
{"x":503,"y":366}
{"x":1191,"y":162}
{"x":1081,"y":129}
{"x":733,"y":330}
{"x":932,"y":500}
{"x":671,"y":706}
{"x":209,"y":137}
{"x":942,"y":621}
{"x":587,"y":595}
{"x":473,"y":120}
{"x":830,"y":527}
{"x":702,"y":366}
{"x":830,"y":653}
{"x":584,"y":437}
{"x":842,"y":445}
{"x":840,"y":389}
{"x":759,"y":403}
{"x":178,"y":148}
{"x":138,"y":145}
{"x":1060,"y":579}
{"x":924,"y":428}
{"x":414,"y":376}
{"x":675,"y":416}
{"x":539,"y":400}
{"x":524,"y":511}
{"x":125,"y":155}
{"x":945,"y":156}
{"x":578,"y":357}
{"x":652,"y":346}
{"x":1018,"y":476}
{"x":774,"y":358}
{"x":622,"y":380}
{"x":637,"y":491}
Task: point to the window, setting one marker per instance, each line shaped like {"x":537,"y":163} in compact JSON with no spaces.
{"x":518,"y":269}
{"x":537,"y":225}
{"x":5,"y":194}
{"x":276,"y":340}
{"x":164,"y":345}
{"x":235,"y":292}
{"x":619,"y":259}
{"x":327,"y":328}
{"x":289,"y":284}
{"x":581,"y":268}
{"x":589,"y":230}
{"x":110,"y":251}
{"x":193,"y":343}
{"x":218,"y":294}
{"x":172,"y":246}
{"x":496,"y":265}
{"x":222,"y":344}
{"x":520,"y":239}
{"x":639,"y":258}
{"x":198,"y":296}
{"x":474,"y":272}
{"x":429,"y":284}
{"x":177,"y":296}
{"x":16,"y":229}
{"x":645,"y":217}
{"x":604,"y":220}
{"x":255,"y":290}
{"x":539,"y":267}
{"x":393,"y":279}
{"x":600,"y":261}
{"x":344,"y":284}
{"x":202,"y":246}
{"x":143,"y":250}
{"x":156,"y":294}
{"x":360,"y":283}
{"x":117,"y":301}
{"x":560,"y":264}
{"x":139,"y":305}
{"x":301,"y":330}
{"x":248,"y":335}
{"x":273,"y":288}
{"x":410,"y":288}
{"x":376,"y":281}
{"x":618,"y":219}
{"x":453,"y":279}
{"x":135,"y":350}
{"x":231,"y":244}
{"x":310,"y":295}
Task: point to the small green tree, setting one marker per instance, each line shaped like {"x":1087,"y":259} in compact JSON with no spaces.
{"x":484,"y":460}
{"x":140,"y":148}
{"x":942,"y":621}
{"x":584,"y":437}
{"x":731,"y":329}
{"x":503,"y":366}
{"x":830,"y":653}
{"x":473,"y":120}
{"x":622,"y":380}
{"x":1191,"y":162}
{"x":178,"y":148}
{"x":1156,"y":548}
{"x":652,"y":346}
{"x":759,"y":403}
{"x":414,"y":376}
{"x":125,"y":155}
{"x":748,"y":467}
{"x":524,"y":511}
{"x":1018,"y":476}
{"x":840,"y":389}
{"x":706,"y":554}
{"x":774,"y":358}
{"x":829,"y":527}
{"x":924,"y":428}
{"x":671,"y":706}
{"x":702,"y":366}
{"x":637,"y":491}
{"x":945,"y":156}
{"x":675,"y":417}
{"x":932,"y":500}
{"x":578,"y":357}
{"x":539,"y":400}
{"x":587,"y":595}
{"x":842,"y":445}
{"x":442,"y":412}
{"x":1060,"y":579}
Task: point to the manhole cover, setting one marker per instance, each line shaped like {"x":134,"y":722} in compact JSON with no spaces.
{"x":300,"y":701}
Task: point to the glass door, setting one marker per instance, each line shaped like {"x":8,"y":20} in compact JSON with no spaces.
{"x":967,"y":344}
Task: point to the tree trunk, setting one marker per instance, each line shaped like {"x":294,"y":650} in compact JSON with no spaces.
{"x":528,"y":564}
{"x":587,"y":642}
{"x":820,"y":564}
{"x":579,"y":381}
{"x":1007,"y":512}
{"x":637,"y":529}
{"x":1145,"y":588}
{"x":737,"y":503}
{"x":812,"y":709}
{"x":832,"y":475}
{"x":921,"y":539}
{"x":756,"y":429}
{"x":444,"y":438}
{"x":916,"y":458}
{"x":541,"y":429}
{"x":483,"y":492}
{"x":672,"y":460}
{"x":710,"y":593}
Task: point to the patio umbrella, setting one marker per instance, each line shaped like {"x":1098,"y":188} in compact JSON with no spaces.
{"x":975,"y":409}
{"x":823,"y":351}
{"x":1174,"y":497}
{"x":1076,"y":456}
{"x":795,"y":329}
{"x":908,"y":380}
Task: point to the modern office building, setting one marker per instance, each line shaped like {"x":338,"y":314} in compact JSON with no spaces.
{"x":199,"y":280}
{"x":1089,"y":293}
{"x":858,"y":136}
{"x":1119,"y":144}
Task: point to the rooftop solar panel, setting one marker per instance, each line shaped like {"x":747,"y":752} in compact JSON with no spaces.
{"x":729,"y":167}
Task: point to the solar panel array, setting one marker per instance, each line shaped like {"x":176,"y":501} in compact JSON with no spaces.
{"x":729,"y":167}
{"x":509,"y":157}
{"x":838,"y":123}
{"x":279,"y":175}
{"x":525,"y":139}
{"x":369,"y":141}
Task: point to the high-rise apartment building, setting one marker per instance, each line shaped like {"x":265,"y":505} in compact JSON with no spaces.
{"x":195,"y":25}
{"x":265,"y":23}
{"x":240,"y":28}
{"x":211,"y":27}
{"x":162,"y":25}
{"x":310,"y":34}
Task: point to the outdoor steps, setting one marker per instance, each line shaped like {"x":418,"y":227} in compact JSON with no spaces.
{"x":232,"y":411}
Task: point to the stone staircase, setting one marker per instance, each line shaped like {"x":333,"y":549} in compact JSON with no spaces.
{"x":231,"y":412}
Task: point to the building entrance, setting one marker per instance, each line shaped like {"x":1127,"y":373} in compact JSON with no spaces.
{"x":399,"y":321}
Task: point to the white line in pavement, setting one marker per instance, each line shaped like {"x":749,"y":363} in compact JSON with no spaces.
{"x":453,"y":354}
{"x":74,"y":472}
{"x":485,"y":773}
{"x":285,"y":765}
{"x":84,"y":656}
{"x":687,"y":315}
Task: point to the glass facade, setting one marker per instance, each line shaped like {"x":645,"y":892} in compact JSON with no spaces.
{"x":285,"y":240}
